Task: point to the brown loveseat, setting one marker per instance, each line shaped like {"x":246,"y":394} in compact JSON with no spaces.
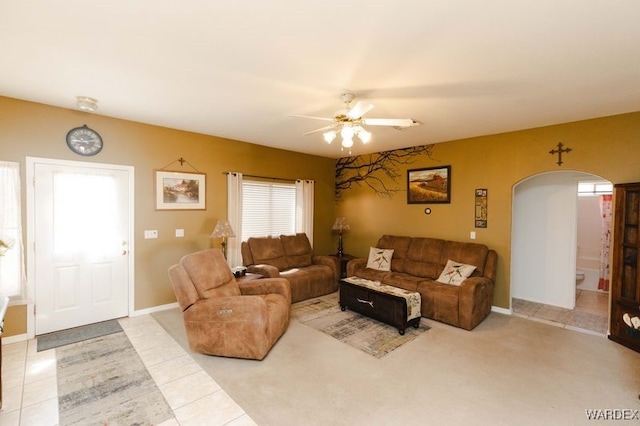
{"x":417,"y":263}
{"x":291,"y":257}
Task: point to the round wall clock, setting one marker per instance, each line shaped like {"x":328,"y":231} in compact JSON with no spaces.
{"x":84,"y":141}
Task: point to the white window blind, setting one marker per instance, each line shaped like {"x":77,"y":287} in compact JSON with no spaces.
{"x":268,"y":209}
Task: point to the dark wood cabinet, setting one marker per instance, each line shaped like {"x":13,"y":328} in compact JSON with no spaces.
{"x":625,"y":284}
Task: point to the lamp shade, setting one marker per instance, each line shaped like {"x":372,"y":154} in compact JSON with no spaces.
{"x":222,"y":230}
{"x":340,"y":224}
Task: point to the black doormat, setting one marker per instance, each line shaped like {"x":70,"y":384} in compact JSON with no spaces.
{"x":77,"y":334}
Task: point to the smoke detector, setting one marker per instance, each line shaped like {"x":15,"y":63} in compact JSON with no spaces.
{"x":86,"y":103}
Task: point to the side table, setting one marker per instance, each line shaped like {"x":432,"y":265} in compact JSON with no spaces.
{"x":343,"y":260}
{"x":248,"y":277}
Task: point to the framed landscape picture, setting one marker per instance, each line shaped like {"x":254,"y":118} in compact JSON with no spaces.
{"x":180,"y":190}
{"x":430,"y":185}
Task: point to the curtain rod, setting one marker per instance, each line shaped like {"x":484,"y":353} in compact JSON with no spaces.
{"x":264,"y":177}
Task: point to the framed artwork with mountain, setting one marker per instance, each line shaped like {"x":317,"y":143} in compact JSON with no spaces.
{"x":429,"y":185}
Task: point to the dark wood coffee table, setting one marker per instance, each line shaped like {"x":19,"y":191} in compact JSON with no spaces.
{"x":376,"y":304}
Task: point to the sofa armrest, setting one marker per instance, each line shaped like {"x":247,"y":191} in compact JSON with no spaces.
{"x":355,"y":265}
{"x":474,"y":301}
{"x":268,"y":271}
{"x":330,"y":261}
{"x":267,"y":286}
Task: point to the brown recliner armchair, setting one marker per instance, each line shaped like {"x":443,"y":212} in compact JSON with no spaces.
{"x":224,"y":318}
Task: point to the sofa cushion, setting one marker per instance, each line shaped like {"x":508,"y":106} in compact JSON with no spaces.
{"x":399,"y":245}
{"x":379,"y":259}
{"x":423,"y":257}
{"x":311,"y":281}
{"x":455,"y":273}
{"x":268,"y":251}
{"x":469,"y":253}
{"x":372,"y":274}
{"x":402,"y":280}
{"x":297,"y":248}
{"x":210,"y":274}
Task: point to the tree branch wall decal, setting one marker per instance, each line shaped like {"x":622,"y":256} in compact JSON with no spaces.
{"x":370,"y":169}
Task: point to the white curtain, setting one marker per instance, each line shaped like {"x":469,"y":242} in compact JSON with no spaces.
{"x":605,"y":242}
{"x":304,"y":207}
{"x":234,"y":216}
{"x":12,"y":273}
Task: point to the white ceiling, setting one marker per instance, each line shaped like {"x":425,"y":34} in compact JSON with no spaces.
{"x":240,"y":69}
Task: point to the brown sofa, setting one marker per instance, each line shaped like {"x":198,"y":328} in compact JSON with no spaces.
{"x":291,"y":257}
{"x":417,"y":263}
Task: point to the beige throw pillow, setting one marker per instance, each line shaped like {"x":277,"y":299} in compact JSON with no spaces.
{"x":379,"y":259}
{"x":454,"y":273}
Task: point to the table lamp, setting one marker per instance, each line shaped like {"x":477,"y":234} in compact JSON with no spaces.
{"x":340,"y":225}
{"x":223,"y":230}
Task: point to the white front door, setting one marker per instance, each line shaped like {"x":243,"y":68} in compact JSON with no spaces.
{"x":81,"y":215}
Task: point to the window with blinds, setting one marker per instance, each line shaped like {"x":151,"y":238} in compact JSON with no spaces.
{"x":268,"y":209}
{"x":590,"y":189}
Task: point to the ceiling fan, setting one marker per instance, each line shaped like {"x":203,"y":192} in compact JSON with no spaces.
{"x":349,"y":122}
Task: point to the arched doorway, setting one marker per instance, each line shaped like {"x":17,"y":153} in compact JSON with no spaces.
{"x":544,"y":241}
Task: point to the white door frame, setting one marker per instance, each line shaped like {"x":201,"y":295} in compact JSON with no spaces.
{"x":30,"y":246}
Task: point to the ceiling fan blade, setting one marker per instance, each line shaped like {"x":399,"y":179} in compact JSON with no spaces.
{"x":396,"y":122}
{"x":313,"y":118}
{"x":322,"y":129}
{"x":359,"y":109}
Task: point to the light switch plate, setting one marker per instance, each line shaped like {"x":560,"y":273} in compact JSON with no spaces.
{"x":150,"y":234}
{"x":179,"y":233}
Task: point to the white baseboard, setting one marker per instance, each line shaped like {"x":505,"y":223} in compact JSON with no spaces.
{"x":501,"y":310}
{"x":22,"y":337}
{"x":14,"y":339}
{"x":154,"y":309}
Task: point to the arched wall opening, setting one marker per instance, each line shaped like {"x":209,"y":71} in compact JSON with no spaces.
{"x":544,"y":237}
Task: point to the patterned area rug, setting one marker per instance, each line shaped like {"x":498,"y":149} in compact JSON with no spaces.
{"x":368,"y":335}
{"x":77,"y":334}
{"x":103,"y":381}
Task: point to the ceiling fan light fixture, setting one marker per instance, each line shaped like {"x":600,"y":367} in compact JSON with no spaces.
{"x":347,"y":132}
{"x":329,"y":136}
{"x":350,"y":122}
{"x":363,"y":135}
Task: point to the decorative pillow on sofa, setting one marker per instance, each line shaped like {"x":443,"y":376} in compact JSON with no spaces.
{"x":454,"y":273}
{"x":379,"y":259}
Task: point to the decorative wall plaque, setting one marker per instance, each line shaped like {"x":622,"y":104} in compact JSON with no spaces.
{"x":481,"y":208}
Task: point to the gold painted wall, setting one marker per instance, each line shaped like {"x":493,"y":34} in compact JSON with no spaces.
{"x":36,"y":130}
{"x":608,"y":147}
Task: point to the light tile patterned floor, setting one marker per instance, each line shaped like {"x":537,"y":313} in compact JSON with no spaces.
{"x":590,"y":314}
{"x":30,"y":389}
{"x":30,"y":394}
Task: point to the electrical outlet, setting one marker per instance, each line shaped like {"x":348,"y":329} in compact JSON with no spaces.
{"x":150,"y":234}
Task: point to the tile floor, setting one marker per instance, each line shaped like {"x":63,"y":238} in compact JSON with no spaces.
{"x":30,"y":389}
{"x":30,"y":385}
{"x":590,"y":314}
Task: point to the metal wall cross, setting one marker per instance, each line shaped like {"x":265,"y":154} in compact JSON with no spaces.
{"x":559,"y":151}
